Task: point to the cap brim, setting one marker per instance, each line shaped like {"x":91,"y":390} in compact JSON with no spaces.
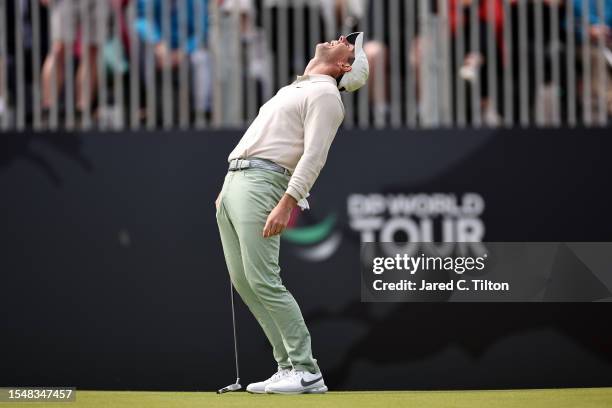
{"x":352,"y":37}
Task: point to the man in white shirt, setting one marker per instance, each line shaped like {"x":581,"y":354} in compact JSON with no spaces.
{"x":272,"y":170}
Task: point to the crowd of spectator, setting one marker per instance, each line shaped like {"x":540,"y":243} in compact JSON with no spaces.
{"x":155,"y":61}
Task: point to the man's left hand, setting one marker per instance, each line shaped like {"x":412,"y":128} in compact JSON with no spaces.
{"x":279,"y":217}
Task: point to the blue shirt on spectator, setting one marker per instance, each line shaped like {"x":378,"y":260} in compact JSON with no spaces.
{"x":151,"y":31}
{"x":593,"y":17}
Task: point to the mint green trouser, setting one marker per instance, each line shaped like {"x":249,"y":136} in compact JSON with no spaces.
{"x":247,"y":198}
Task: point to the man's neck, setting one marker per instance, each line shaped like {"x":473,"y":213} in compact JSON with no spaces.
{"x":318,"y":67}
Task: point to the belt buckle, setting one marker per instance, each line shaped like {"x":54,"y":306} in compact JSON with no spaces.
{"x":239,"y":164}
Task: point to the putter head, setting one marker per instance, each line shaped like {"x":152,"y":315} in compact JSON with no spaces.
{"x":230,"y":388}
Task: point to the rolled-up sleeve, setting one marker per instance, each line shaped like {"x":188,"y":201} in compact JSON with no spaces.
{"x":323,"y":117}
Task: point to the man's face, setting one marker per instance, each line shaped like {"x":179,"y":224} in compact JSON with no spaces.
{"x":338,"y":51}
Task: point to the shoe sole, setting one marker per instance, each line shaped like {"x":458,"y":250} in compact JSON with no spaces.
{"x":256,"y":392}
{"x":317,"y":390}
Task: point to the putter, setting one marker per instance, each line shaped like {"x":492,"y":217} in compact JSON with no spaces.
{"x":236,"y":386}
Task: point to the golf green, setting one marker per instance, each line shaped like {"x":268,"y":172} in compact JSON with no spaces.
{"x":548,"y":398}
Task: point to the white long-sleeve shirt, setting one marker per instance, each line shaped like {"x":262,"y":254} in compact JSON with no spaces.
{"x":295,"y":129}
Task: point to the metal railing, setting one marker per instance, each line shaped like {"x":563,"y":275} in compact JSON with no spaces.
{"x":117,"y":64}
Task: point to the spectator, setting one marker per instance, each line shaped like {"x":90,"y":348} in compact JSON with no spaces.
{"x":169,"y":52}
{"x":597,"y":30}
{"x":540,"y":99}
{"x":236,"y":37}
{"x":475,"y":62}
{"x":66,"y":20}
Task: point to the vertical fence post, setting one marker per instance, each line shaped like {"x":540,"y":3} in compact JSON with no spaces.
{"x":251,"y":42}
{"x":183,"y":99}
{"x":299,"y":54}
{"x":297,"y":62}
{"x":85,"y":87}
{"x":199,"y":65}
{"x":425,"y":46}
{"x":602,"y":94}
{"x":167,"y":74}
{"x":119,"y":105}
{"x":508,"y":62}
{"x":445,"y":58}
{"x":586,"y":65}
{"x":409,"y":70}
{"x":523,"y":67}
{"x":475,"y":50}
{"x":35,"y":13}
{"x":102,"y":34}
{"x":282,"y":44}
{"x":460,"y":98}
{"x":69,"y":84}
{"x":379,"y":91}
{"x":19,"y":69}
{"x":53,"y":86}
{"x":314,"y":26}
{"x":150,"y":68}
{"x":134,"y":68}
{"x":539,"y":62}
{"x":570,"y":60}
{"x":268,"y":28}
{"x":491,"y":58}
{"x":215,"y":47}
{"x":394,"y":63}
{"x":555,"y":47}
{"x":363,"y":95}
{"x":4,"y":94}
{"x":240,"y":62}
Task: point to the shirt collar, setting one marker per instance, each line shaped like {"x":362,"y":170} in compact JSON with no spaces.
{"x":316,"y":78}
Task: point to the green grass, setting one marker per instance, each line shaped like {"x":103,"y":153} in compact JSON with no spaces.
{"x":557,"y":398}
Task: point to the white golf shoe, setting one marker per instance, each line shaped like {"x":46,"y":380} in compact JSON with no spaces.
{"x":298,"y":382}
{"x":260,"y":387}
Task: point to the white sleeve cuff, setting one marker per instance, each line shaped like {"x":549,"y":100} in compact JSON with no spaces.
{"x":303,"y":203}
{"x":293,"y":192}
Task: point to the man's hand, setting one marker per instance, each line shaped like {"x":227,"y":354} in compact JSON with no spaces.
{"x":279,"y":217}
{"x":218,"y":201}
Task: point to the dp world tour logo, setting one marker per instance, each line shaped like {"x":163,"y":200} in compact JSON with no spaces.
{"x":316,"y":242}
{"x":434,"y":217}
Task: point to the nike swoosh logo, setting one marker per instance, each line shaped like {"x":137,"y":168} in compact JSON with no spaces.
{"x":309,"y":383}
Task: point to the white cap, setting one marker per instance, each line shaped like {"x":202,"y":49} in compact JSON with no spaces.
{"x":358,"y":75}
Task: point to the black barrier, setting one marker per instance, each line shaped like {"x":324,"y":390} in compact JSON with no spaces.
{"x":113,"y":275}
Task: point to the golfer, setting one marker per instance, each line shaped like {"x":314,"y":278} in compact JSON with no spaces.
{"x":271,"y":171}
